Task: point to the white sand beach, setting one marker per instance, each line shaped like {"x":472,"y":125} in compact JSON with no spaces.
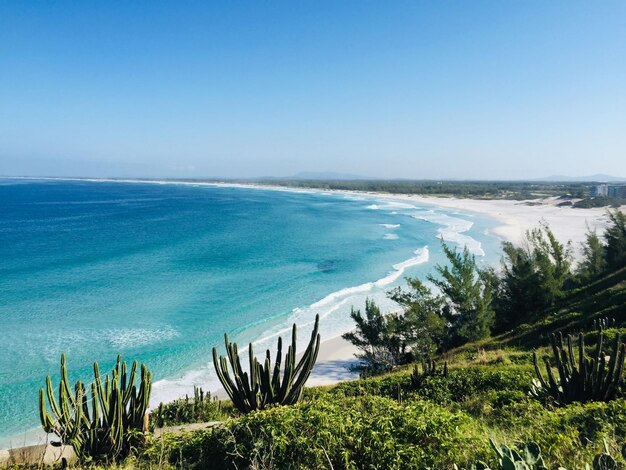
{"x":567,"y":223}
{"x":333,"y":363}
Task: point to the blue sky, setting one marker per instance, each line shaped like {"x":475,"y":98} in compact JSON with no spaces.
{"x":441,"y":89}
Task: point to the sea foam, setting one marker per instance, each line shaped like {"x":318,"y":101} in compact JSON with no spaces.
{"x":452,"y":230}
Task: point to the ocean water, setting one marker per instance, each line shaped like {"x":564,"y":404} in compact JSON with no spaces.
{"x":158,"y":272}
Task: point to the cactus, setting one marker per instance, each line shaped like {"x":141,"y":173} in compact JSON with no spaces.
{"x":262,"y":385}
{"x":429,"y":368}
{"x":588,"y":379}
{"x":604,"y":461}
{"x":202,"y":408}
{"x":116,"y":421}
{"x":603,"y":323}
{"x":527,"y":457}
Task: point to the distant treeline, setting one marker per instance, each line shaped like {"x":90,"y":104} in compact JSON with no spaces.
{"x":483,"y":189}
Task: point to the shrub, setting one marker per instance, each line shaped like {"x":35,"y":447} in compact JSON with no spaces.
{"x":462,"y":384}
{"x":352,"y":432}
{"x":457,"y":386}
{"x":567,"y":434}
{"x":201,"y":408}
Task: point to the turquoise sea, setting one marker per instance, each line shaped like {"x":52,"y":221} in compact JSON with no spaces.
{"x":158,"y":272}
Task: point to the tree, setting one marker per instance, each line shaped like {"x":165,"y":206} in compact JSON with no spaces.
{"x":421,"y":325}
{"x":533,"y":277}
{"x":615,"y":238}
{"x":593,"y":262}
{"x":375,"y":337}
{"x":467,"y":296}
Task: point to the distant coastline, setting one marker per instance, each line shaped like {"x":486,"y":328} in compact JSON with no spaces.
{"x":516,"y":216}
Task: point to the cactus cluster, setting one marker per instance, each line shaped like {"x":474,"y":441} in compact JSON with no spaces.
{"x":429,"y":368}
{"x":529,"y":457}
{"x":603,"y":323}
{"x":582,"y":380}
{"x":262,"y":385}
{"x":113,"y":425}
{"x":201,"y":408}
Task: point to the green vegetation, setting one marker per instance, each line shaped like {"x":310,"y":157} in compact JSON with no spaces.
{"x":615,"y":236}
{"x":116,"y":423}
{"x":594,"y":261}
{"x":263,"y":386}
{"x":518,"y":190}
{"x":598,"y":201}
{"x":527,"y":457}
{"x":467,"y":308}
{"x":428,"y":322}
{"x":342,"y":432}
{"x":429,"y":369}
{"x":202,"y":408}
{"x":589,"y":379}
{"x":375,"y":335}
{"x":533,"y":277}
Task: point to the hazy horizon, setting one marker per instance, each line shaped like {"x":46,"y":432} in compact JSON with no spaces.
{"x":415,"y":90}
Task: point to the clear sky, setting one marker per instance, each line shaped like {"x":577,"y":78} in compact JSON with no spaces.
{"x":440,"y":89}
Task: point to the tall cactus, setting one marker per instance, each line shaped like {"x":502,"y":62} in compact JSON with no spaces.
{"x":588,"y":379}
{"x":603,"y":323}
{"x":116,"y":421}
{"x":262,"y":385}
{"x":429,"y":369}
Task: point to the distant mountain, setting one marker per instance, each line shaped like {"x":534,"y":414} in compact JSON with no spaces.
{"x":593,"y":178}
{"x":326,"y":175}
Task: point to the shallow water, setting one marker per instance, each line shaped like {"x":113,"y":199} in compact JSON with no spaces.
{"x":158,"y":272}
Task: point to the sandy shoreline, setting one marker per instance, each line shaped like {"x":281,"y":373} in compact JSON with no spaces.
{"x":516,"y":217}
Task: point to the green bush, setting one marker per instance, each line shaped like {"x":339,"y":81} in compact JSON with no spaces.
{"x":462,"y":384}
{"x":347,"y":433}
{"x":567,"y":434}
{"x":390,"y":386}
{"x":458,"y":386}
{"x":199,"y":409}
